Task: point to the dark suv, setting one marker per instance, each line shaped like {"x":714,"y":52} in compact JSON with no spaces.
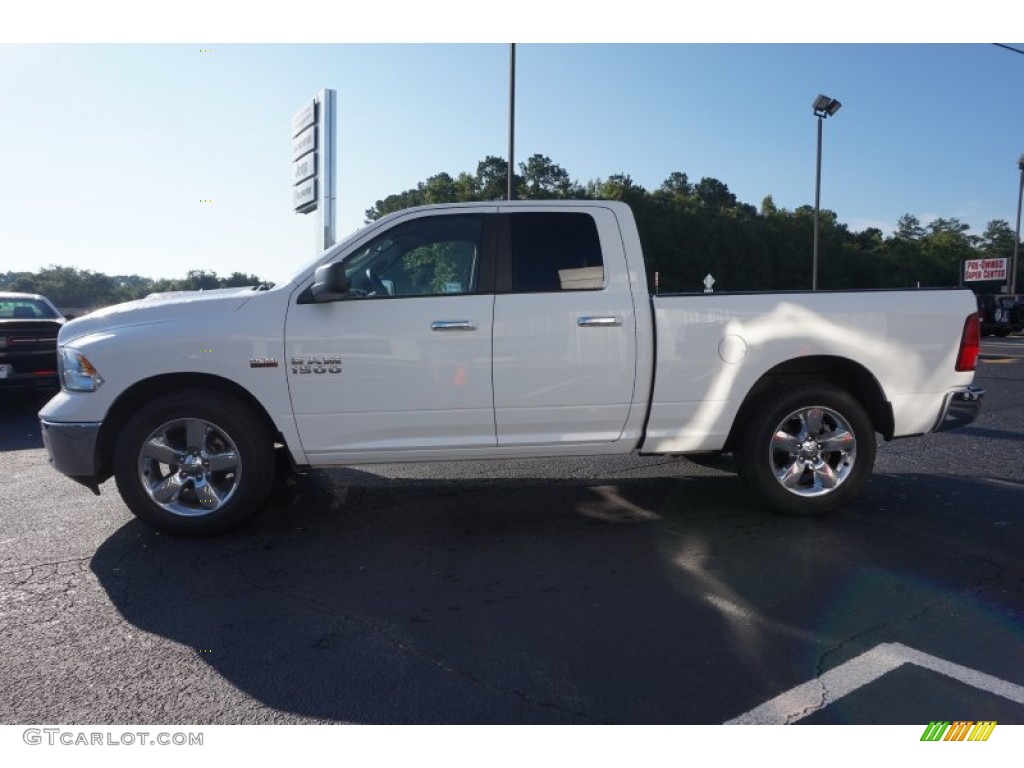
{"x":29,"y":324}
{"x":1001,"y":313}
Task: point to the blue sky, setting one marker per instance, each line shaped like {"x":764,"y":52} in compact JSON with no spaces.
{"x":106,"y":150}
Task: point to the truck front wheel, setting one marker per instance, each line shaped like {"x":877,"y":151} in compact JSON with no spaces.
{"x":194,"y":463}
{"x":807,"y":451}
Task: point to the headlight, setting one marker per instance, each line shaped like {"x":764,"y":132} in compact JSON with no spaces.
{"x":77,"y":374}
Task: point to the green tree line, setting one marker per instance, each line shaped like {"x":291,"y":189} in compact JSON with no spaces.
{"x":690,"y":229}
{"x":82,"y":289}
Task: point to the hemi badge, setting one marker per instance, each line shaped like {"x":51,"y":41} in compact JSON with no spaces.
{"x":263,"y":362}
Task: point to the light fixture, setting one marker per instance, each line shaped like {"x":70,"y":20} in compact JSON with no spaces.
{"x":825,"y":106}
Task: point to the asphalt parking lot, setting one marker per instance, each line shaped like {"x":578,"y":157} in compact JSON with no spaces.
{"x":629,"y":590}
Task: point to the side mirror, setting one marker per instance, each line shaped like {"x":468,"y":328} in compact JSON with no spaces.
{"x":329,"y":283}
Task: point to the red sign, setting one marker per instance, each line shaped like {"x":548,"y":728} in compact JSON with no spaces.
{"x":984,"y":269}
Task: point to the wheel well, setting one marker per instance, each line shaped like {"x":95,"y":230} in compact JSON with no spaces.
{"x":143,"y":391}
{"x":840,"y":372}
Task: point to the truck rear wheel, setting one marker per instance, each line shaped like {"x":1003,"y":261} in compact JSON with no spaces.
{"x":807,"y":451}
{"x":194,"y":463}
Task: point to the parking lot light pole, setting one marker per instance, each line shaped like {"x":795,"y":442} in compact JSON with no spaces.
{"x":823,"y":106}
{"x":511,"y":119}
{"x":1016,"y":238}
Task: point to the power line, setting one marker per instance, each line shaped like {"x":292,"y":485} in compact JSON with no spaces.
{"x":1009,"y":48}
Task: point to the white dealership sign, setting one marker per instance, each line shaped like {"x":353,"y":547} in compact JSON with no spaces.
{"x":984,"y":269}
{"x":313,"y":187}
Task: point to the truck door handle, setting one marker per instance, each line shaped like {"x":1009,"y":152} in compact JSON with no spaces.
{"x":453,"y":325}
{"x":598,"y":322}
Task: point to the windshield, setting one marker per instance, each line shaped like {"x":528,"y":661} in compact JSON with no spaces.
{"x":26,"y":309}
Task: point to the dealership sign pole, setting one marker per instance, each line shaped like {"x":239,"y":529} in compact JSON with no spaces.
{"x":313,"y":164}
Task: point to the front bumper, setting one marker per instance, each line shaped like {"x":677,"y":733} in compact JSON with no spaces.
{"x":26,"y":368}
{"x":15,"y":379}
{"x":72,"y":449}
{"x":960,"y":408}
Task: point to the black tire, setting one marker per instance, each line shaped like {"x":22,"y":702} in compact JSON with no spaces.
{"x":1002,"y":333}
{"x":802,"y":463}
{"x":194,"y":463}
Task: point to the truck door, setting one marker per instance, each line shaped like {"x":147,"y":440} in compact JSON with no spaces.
{"x":564,"y":328}
{"x":403,"y":361}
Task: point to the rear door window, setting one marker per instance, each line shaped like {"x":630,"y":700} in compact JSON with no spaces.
{"x":551,"y":252}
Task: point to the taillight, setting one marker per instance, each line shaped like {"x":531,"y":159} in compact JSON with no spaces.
{"x":970,"y":344}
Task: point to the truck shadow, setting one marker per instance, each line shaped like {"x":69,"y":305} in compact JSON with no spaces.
{"x":359,"y":599}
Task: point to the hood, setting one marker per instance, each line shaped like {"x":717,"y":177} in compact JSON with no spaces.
{"x":157,"y":308}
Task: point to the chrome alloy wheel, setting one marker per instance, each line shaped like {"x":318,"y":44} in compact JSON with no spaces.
{"x":189,"y":467}
{"x":812,"y":451}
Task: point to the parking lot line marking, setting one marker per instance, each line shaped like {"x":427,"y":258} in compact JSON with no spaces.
{"x":806,"y":699}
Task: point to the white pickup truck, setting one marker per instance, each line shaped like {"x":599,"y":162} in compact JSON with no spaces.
{"x":499,"y":330}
